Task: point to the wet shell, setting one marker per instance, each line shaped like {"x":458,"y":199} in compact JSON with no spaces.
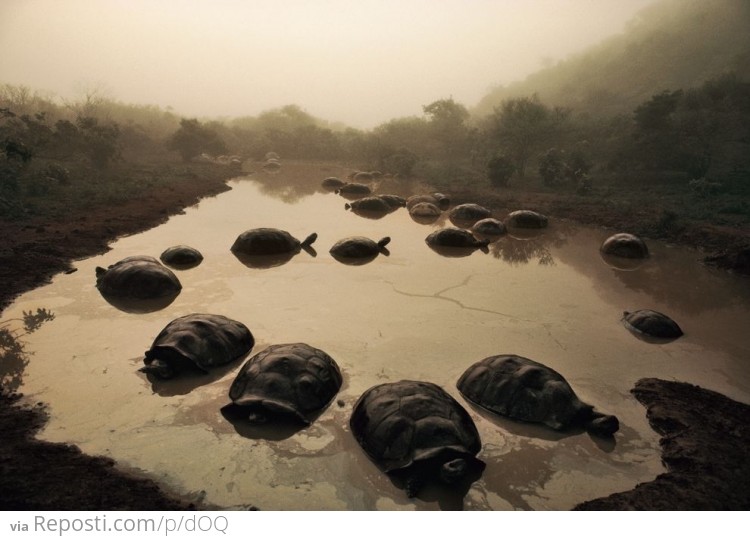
{"x":469,"y":212}
{"x":354,"y":188}
{"x":625,"y":245}
{"x":332,"y":182}
{"x":526,"y":219}
{"x":373,"y":204}
{"x":138,"y":277}
{"x":525,"y":390}
{"x":425,"y":210}
{"x":455,"y":238}
{"x":181,"y":257}
{"x":293,"y":380}
{"x":405,"y":424}
{"x":439,"y":200}
{"x":489,"y":226}
{"x":358,"y":247}
{"x":268,"y":241}
{"x":203,"y":339}
{"x":652,"y":323}
{"x":393,"y":201}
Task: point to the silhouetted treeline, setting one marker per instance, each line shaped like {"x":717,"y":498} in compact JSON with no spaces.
{"x":667,"y":102}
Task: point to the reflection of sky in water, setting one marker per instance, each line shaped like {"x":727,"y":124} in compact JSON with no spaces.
{"x":413,"y":314}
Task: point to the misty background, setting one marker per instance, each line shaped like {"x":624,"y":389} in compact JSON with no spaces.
{"x":359,"y":63}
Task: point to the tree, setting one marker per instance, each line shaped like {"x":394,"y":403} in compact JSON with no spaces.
{"x":447,"y":127}
{"x":522,"y":127}
{"x":192,"y":139}
{"x":499,"y":170}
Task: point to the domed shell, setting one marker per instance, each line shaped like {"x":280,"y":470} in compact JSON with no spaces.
{"x":354,"y":189}
{"x":373,"y":204}
{"x":468,"y":213}
{"x":358,"y":248}
{"x":405,"y":423}
{"x":204,"y":340}
{"x":393,"y":201}
{"x":439,"y":200}
{"x":138,"y":277}
{"x":522,"y":389}
{"x":454,"y":237}
{"x":332,"y":183}
{"x":268,"y":241}
{"x":526,"y":219}
{"x":652,"y":323}
{"x":181,"y":256}
{"x":425,"y":209}
{"x":294,"y":380}
{"x":625,"y":245}
{"x":489,"y":226}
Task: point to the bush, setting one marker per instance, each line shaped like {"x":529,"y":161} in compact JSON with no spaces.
{"x":499,"y":170}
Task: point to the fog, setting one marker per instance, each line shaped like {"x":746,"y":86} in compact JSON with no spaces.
{"x":360,"y":63}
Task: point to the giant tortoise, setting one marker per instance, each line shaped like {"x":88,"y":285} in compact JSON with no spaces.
{"x":525,"y":390}
{"x":651,"y":324}
{"x":293,"y":380}
{"x":197,"y":342}
{"x":267,"y":247}
{"x":358,"y":250}
{"x":140,"y":281}
{"x":416,"y":432}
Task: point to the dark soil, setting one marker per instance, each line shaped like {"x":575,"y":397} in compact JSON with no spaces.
{"x":705,"y":437}
{"x":705,"y":434}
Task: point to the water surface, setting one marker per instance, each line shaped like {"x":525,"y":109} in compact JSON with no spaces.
{"x":413,"y":314}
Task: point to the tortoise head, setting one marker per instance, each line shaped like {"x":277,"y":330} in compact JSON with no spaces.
{"x":453,"y":471}
{"x":159,"y":368}
{"x":602,"y":424}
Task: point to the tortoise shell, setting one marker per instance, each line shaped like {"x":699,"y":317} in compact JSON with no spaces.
{"x":293,"y":380}
{"x":358,"y":250}
{"x":332,"y":183}
{"x":415,"y":426}
{"x":393,"y":201}
{"x":138,"y":277}
{"x":269,"y":241}
{"x":202,"y":340}
{"x":455,"y":238}
{"x":354,"y":189}
{"x":468,"y":213}
{"x":652,"y":323}
{"x":489,"y":226}
{"x":439,"y":200}
{"x":625,"y":245}
{"x":373,"y":204}
{"x":526,"y":219}
{"x":525,"y":390}
{"x":181,"y":256}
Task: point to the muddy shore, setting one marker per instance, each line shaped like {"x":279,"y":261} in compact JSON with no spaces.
{"x":705,"y":435}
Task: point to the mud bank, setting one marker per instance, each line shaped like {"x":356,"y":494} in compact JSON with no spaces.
{"x":704,"y":447}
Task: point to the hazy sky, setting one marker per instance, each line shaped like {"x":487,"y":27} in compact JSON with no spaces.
{"x":361,"y":62}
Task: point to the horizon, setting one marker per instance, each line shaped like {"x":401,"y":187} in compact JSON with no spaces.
{"x":231,"y":59}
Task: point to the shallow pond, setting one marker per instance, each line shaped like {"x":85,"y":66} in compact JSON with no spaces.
{"x":413,"y":314}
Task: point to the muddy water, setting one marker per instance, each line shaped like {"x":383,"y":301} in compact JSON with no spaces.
{"x":411,"y":315}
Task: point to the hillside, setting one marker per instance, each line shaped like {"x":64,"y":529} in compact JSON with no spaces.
{"x":672,"y":44}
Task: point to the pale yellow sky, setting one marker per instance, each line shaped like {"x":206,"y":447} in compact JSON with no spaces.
{"x":361,"y":62}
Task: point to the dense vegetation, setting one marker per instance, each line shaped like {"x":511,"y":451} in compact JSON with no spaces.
{"x":679,"y":134}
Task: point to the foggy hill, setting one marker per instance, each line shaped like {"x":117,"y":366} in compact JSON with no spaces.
{"x":673,"y":44}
